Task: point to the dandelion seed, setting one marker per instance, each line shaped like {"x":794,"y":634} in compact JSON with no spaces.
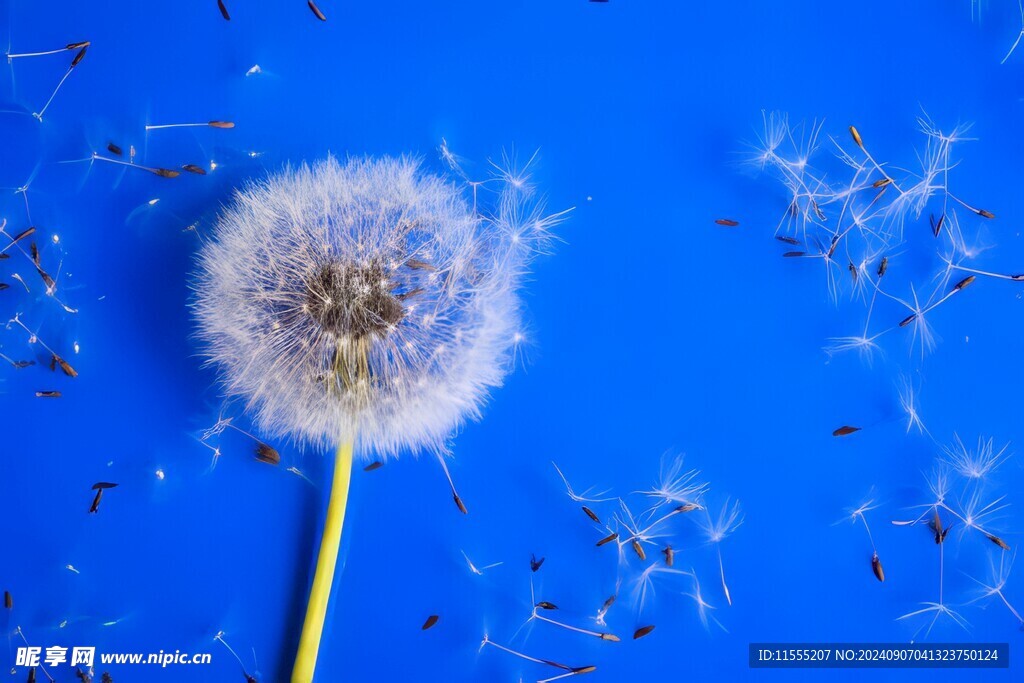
{"x":207,"y":124}
{"x":223,"y":10}
{"x":845,"y":430}
{"x":316,"y":11}
{"x":977,"y":463}
{"x":430,"y":622}
{"x":718,"y":529}
{"x":375,"y":465}
{"x":726,"y":222}
{"x":642,"y":631}
{"x":586,"y":496}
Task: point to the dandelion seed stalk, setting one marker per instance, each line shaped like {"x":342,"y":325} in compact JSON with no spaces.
{"x":327,"y":560}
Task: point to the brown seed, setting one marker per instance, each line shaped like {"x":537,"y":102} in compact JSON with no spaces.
{"x":937,"y":224}
{"x":727,"y":222}
{"x":49,"y":281}
{"x":375,"y":465}
{"x":998,"y":541}
{"x":316,"y":10}
{"x":881,"y":183}
{"x":535,"y":564}
{"x":417,"y":264}
{"x":164,"y":172}
{"x":832,"y":247}
{"x":79,"y":57}
{"x":590,"y":668}
{"x":114,"y":149}
{"x":223,"y":10}
{"x":95,"y":507}
{"x":65,"y":366}
{"x":670,"y":555}
{"x":642,"y":631}
{"x":787,"y":240}
{"x":34,"y":251}
{"x":687,"y":507}
{"x":856,"y":137}
{"x":429,"y":623}
{"x":267,"y":454}
{"x":845,"y":430}
{"x":853,"y":271}
{"x":460,"y":504}
{"x":48,"y":394}
{"x":964,"y":283}
{"x":103,"y":485}
{"x":883,"y":266}
{"x":192,"y":168}
{"x":986,"y":214}
{"x":611,"y":637}
{"x":410,"y":294}
{"x":794,"y":254}
{"x":75,"y":46}
{"x":607,"y":539}
{"x":638,"y":549}
{"x":876,"y":567}
{"x":590,"y":513}
{"x":609,"y":602}
{"x":23,"y":234}
{"x":909,"y":319}
{"x":8,"y":600}
{"x":544,"y":604}
{"x":221,"y":124}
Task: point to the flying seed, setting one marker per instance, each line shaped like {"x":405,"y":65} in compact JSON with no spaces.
{"x":876,"y":567}
{"x":106,"y":678}
{"x":832,"y":247}
{"x":909,"y":319}
{"x":544,"y":604}
{"x":375,"y":465}
{"x":998,"y":541}
{"x":34,"y":251}
{"x":47,"y":279}
{"x":589,"y":668}
{"x":687,"y":507}
{"x":462,"y":507}
{"x":316,"y":10}
{"x":221,"y":124}
{"x":223,"y":10}
{"x":48,"y":394}
{"x":670,"y":555}
{"x":591,"y":514}
{"x":638,"y":549}
{"x":404,"y":296}
{"x":607,"y":539}
{"x":985,"y":214}
{"x":429,"y":623}
{"x":3,"y":286}
{"x":75,"y":46}
{"x":963,"y":283}
{"x":788,"y":240}
{"x":79,"y":57}
{"x":535,"y":564}
{"x":267,"y":454}
{"x":96,"y":501}
{"x":192,"y":168}
{"x":937,"y":224}
{"x":853,"y":271}
{"x":881,"y":183}
{"x":642,"y":631}
{"x":103,"y":485}
{"x":794,"y":254}
{"x":164,"y":172}
{"x":845,"y":430}
{"x":727,"y":222}
{"x":611,"y":637}
{"x":8,"y":600}
{"x":883,"y":266}
{"x":856,"y":137}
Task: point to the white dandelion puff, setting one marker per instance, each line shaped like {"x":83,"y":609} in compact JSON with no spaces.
{"x":364,"y":299}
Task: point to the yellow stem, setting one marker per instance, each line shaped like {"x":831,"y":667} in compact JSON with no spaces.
{"x":320,"y":593}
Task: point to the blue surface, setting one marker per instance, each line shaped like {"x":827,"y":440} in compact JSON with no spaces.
{"x":653,"y":331}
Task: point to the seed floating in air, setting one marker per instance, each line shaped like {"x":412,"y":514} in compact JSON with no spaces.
{"x":727,"y":222}
{"x":223,"y":10}
{"x":267,"y":454}
{"x":845,"y":430}
{"x":876,"y":567}
{"x":375,"y":465}
{"x":429,"y":623}
{"x":642,"y":631}
{"x":316,"y":10}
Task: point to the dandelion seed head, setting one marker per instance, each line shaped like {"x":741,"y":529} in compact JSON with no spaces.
{"x":365,"y":299}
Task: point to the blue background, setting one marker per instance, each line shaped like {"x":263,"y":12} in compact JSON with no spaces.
{"x":653,"y":330}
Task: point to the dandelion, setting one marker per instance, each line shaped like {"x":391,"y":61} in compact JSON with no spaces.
{"x":718,"y":529}
{"x":998,"y":576}
{"x":977,"y":463}
{"x":363,"y":303}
